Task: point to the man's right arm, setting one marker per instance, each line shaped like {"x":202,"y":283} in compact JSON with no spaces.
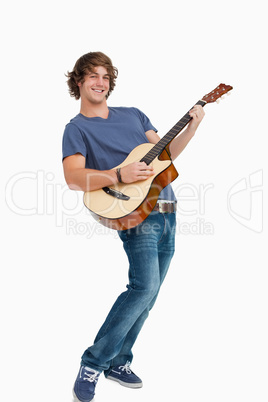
{"x":79,"y":178}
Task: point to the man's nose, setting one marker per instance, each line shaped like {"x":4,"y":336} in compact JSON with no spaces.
{"x":100,"y":81}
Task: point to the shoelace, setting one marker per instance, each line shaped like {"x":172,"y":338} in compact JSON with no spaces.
{"x":91,"y":376}
{"x":126,"y":368}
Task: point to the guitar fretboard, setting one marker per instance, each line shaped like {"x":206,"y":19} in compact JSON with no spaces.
{"x":173,"y":132}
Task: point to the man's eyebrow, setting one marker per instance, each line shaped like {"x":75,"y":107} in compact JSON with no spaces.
{"x":104,"y":75}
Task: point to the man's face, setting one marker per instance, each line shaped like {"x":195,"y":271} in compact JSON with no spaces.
{"x":95,"y":86}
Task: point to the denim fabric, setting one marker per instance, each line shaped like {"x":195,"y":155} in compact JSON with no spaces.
{"x":149,"y":247}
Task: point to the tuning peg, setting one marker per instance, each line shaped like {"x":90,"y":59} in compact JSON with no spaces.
{"x":229,"y":93}
{"x":218,"y":100}
{"x":223,"y":96}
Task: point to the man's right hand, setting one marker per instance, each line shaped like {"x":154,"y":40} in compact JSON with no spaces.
{"x":136,"y":171}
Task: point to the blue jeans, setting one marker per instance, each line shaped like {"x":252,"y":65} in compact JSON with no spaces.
{"x":149,"y":247}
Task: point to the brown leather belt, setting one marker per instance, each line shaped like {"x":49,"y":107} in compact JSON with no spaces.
{"x":165,"y":207}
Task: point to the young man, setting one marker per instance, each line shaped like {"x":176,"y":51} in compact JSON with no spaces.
{"x":94,"y":142}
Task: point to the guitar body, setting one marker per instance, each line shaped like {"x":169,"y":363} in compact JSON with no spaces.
{"x":119,"y":213}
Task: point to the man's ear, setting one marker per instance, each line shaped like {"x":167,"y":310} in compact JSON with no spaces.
{"x":79,"y":84}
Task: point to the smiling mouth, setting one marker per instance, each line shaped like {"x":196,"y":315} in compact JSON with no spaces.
{"x":99,"y":91}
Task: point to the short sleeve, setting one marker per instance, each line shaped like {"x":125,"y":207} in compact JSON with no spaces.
{"x":73,"y":142}
{"x":147,"y":125}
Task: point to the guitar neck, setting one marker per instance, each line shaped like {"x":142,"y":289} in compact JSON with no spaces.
{"x":173,"y":132}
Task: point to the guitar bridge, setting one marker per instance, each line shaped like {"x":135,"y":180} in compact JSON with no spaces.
{"x":115,"y":193}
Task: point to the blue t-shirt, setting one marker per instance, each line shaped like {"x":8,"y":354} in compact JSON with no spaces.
{"x":105,"y":143}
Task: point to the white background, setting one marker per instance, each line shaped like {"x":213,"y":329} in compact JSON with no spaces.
{"x":206,"y":338}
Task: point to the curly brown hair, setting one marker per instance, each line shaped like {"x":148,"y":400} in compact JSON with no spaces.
{"x":86,"y":64}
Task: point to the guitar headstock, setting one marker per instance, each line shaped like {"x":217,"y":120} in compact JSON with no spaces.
{"x":217,"y":93}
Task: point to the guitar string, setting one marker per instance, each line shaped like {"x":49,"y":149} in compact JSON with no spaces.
{"x":172,"y":133}
{"x":159,"y":147}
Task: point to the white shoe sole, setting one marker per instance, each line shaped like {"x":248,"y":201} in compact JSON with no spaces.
{"x":126,"y":384}
{"x":76,"y":399}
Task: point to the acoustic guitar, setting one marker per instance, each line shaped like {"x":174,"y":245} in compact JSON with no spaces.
{"x":124,"y":206}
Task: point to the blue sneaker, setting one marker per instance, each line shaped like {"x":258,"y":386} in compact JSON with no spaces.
{"x":84,"y":387}
{"x":125,"y":376}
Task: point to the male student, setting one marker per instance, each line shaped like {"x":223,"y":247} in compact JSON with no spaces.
{"x":94,"y":142}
